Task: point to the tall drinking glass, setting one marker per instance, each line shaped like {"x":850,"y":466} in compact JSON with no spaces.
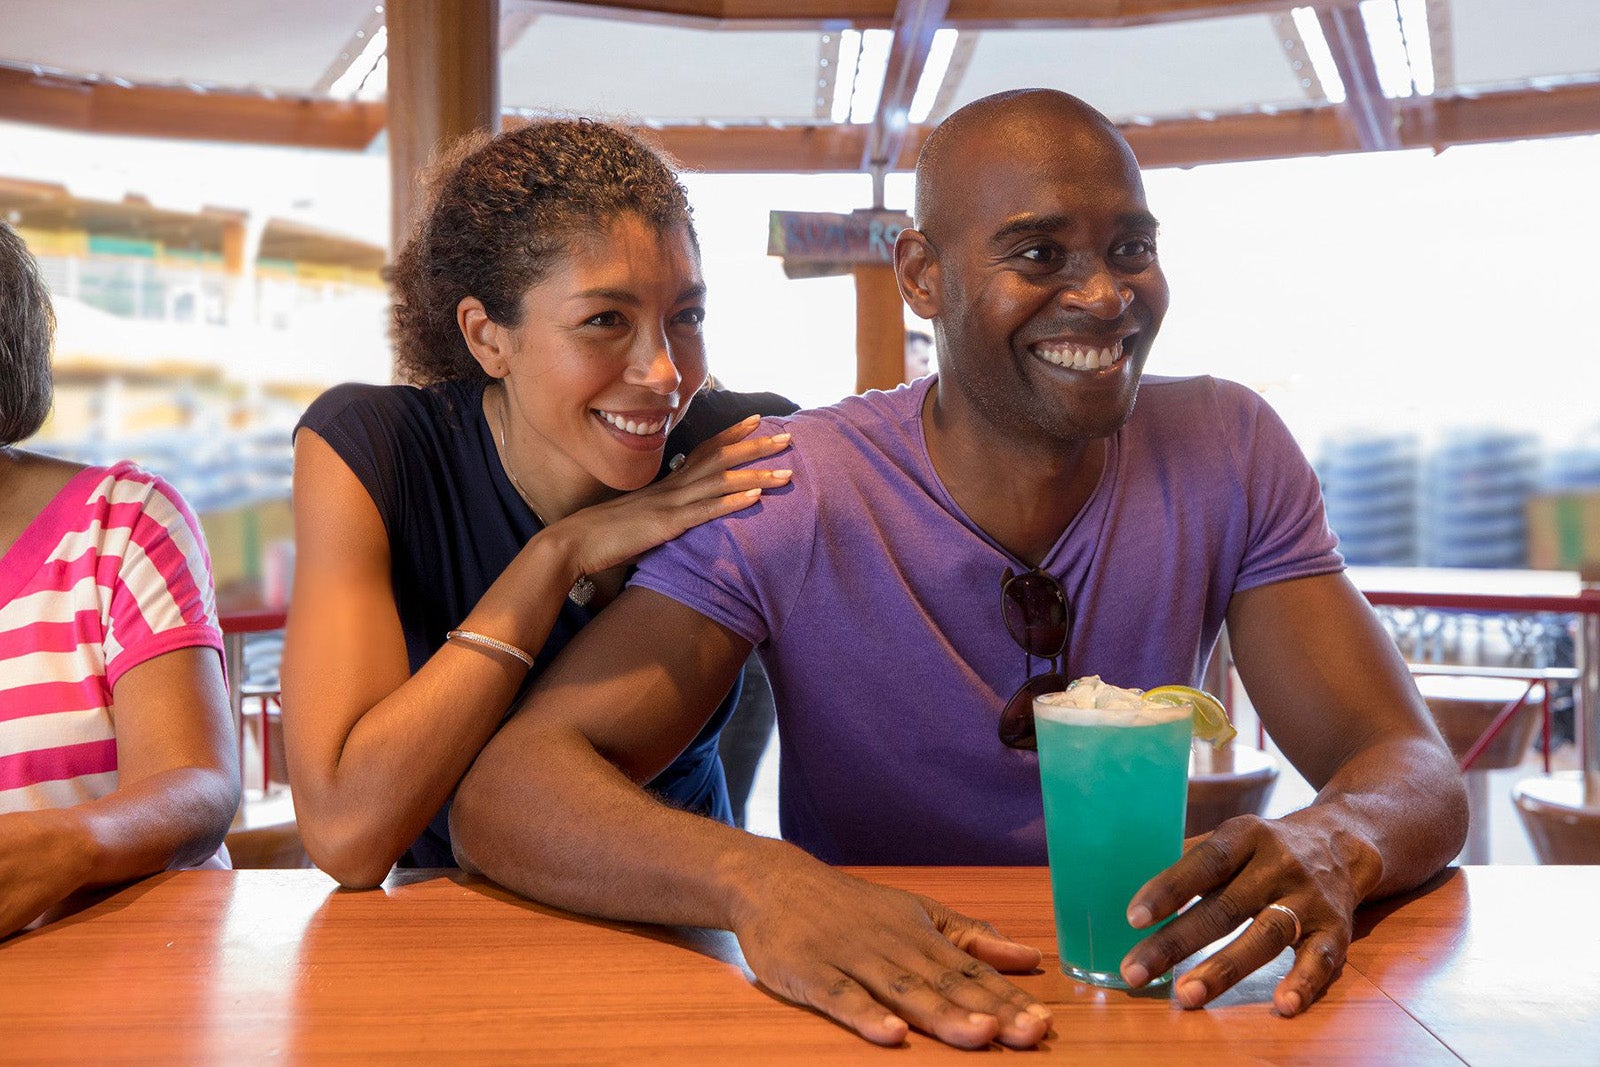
{"x":1115,"y":791}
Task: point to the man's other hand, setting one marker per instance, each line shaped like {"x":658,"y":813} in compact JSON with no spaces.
{"x":880,"y":960}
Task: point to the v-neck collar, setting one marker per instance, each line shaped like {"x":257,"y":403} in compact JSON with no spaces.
{"x":1094,"y":503}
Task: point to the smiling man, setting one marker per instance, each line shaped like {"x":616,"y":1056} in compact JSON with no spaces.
{"x":871,"y":587}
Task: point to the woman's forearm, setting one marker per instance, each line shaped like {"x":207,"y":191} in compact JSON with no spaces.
{"x":175,"y":818}
{"x":362,"y":798}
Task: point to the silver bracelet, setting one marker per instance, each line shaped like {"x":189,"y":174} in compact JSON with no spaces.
{"x":488,"y":642}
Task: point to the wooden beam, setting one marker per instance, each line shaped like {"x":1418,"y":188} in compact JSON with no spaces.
{"x":973,"y":14}
{"x":914,"y":24}
{"x":1174,"y":143}
{"x":444,"y":67}
{"x":880,"y":328}
{"x":1524,"y":114}
{"x":764,"y":149}
{"x":1507,"y":116}
{"x":1369,"y":109}
{"x":727,"y":14}
{"x":1023,"y":14}
{"x":159,"y":111}
{"x":1421,"y":122}
{"x":1234,"y":138}
{"x":235,"y":246}
{"x":101,"y":107}
{"x":1563,"y":111}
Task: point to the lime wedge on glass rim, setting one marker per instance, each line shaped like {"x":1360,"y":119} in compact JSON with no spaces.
{"x":1210,"y":717}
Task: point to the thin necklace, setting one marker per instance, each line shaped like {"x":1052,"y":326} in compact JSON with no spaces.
{"x":582,"y":590}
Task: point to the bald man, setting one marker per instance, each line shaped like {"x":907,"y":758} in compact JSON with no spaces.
{"x":869,"y":587}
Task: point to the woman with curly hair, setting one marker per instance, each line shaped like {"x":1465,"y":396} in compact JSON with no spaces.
{"x":452,"y":535}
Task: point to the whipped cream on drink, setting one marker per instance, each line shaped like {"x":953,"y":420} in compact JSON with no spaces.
{"x":1091,"y":702}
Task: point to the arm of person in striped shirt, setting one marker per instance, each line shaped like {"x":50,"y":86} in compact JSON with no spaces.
{"x":117,"y":756}
{"x":178,"y":788}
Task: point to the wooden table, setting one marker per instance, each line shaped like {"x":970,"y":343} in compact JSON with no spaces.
{"x":1493,"y":965}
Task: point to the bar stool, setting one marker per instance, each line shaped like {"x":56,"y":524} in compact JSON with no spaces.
{"x":1466,"y":708}
{"x":260,"y":716}
{"x":1488,"y":724}
{"x":1562,"y":823}
{"x":1224,"y":782}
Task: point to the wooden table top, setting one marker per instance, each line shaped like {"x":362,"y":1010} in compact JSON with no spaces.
{"x":1490,"y":965}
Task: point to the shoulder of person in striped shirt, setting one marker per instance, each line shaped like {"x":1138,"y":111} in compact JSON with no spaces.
{"x":112,"y":573}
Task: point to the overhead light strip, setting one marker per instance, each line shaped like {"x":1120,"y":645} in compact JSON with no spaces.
{"x":1305,"y":20}
{"x":355,"y":79}
{"x":1419,"y":46}
{"x":872,"y":69}
{"x":1381,"y":21}
{"x":376,"y":84}
{"x":844,"y":74}
{"x":933,"y":72}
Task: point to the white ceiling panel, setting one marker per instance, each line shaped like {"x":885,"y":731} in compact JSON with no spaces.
{"x":1169,"y":69}
{"x":1498,"y":41}
{"x":285,"y":46}
{"x":664,"y":73}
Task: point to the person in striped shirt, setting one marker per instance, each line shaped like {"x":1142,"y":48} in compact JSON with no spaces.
{"x":117,"y":753}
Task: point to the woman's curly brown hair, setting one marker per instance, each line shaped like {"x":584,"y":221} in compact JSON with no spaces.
{"x":499,"y":212}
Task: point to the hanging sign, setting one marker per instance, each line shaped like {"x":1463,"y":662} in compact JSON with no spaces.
{"x":816,"y":243}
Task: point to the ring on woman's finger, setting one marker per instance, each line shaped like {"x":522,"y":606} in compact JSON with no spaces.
{"x":676,"y":461}
{"x":1295,"y":940}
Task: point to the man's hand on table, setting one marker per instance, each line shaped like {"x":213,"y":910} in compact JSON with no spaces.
{"x":878,"y":960}
{"x":1304,"y":862}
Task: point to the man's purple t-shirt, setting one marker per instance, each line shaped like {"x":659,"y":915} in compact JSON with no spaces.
{"x":875,"y":603}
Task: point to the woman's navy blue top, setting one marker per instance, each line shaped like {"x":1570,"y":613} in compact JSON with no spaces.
{"x":427,"y":457}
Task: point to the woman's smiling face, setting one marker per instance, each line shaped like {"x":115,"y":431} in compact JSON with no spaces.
{"x":608,"y":354}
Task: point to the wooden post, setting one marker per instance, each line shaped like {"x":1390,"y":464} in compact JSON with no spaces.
{"x":444,"y":81}
{"x":235,"y":238}
{"x":241,"y":245}
{"x":880,"y":328}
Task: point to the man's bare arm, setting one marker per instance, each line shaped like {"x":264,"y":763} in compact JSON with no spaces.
{"x":608,"y":715}
{"x":552,"y":810}
{"x":1390,"y":811}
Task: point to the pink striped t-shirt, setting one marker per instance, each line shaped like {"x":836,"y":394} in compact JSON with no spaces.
{"x":113,"y":572}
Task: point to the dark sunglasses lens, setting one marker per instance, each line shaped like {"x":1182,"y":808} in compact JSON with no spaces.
{"x":1016,"y":722}
{"x":1035,"y":611}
